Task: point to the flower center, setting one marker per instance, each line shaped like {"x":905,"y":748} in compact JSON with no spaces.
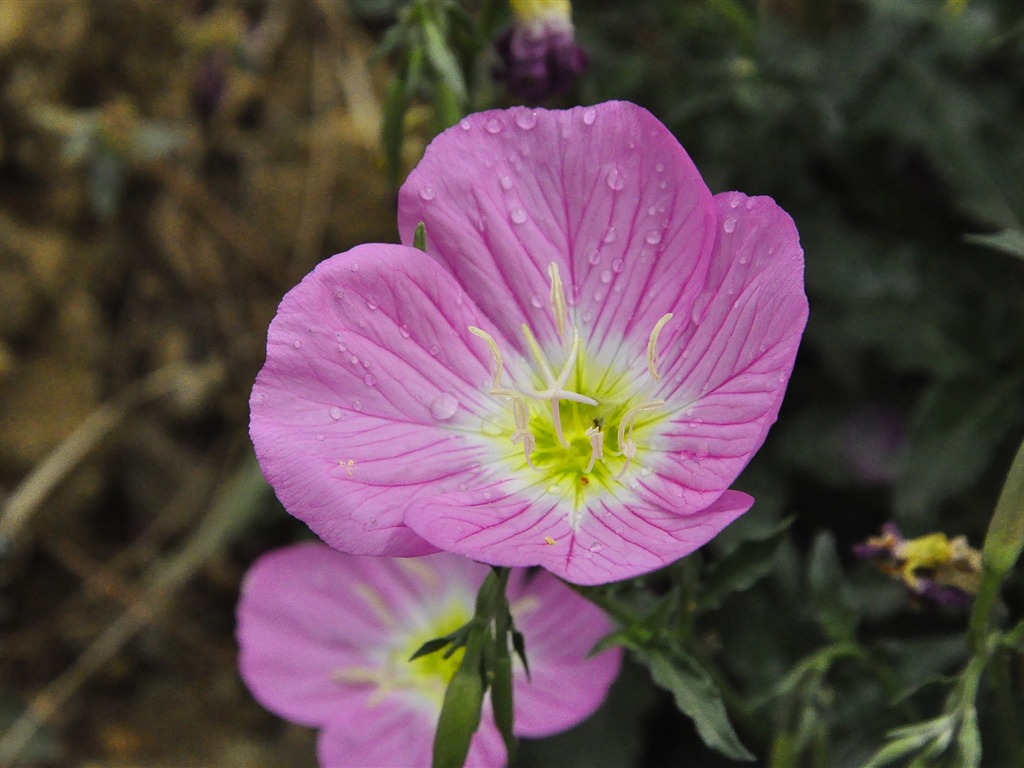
{"x":579,"y":427}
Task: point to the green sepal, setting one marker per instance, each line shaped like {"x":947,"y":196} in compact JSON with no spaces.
{"x":419,"y":237}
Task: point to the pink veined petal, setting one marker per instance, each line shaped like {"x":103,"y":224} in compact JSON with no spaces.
{"x":606,"y":192}
{"x":615,"y":538}
{"x":724,"y":374}
{"x":371,"y":386}
{"x":561,"y":628}
{"x":301,"y":618}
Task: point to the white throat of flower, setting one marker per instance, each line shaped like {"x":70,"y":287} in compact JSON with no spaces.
{"x":550,"y":446}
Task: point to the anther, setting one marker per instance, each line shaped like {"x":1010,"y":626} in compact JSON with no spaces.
{"x":558,"y":299}
{"x":652,"y":343}
{"x":495,"y":352}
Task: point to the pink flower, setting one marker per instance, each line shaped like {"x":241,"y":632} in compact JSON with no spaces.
{"x":586,"y":359}
{"x":325,"y":640}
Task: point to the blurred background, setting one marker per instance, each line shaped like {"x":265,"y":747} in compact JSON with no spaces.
{"x":168,"y":170}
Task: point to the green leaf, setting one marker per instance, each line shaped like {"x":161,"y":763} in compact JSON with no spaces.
{"x":392,"y":132}
{"x":443,"y":61}
{"x":463,"y":703}
{"x":742,"y":568}
{"x":829,"y":592}
{"x":519,"y":646}
{"x":431,"y":646}
{"x":1009,"y":241}
{"x":696,"y":696}
{"x":419,"y":237}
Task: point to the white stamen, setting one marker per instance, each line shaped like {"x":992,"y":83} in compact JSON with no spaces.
{"x":629,"y":451}
{"x":651,"y":344}
{"x":596,"y":446}
{"x":628,"y":420}
{"x":556,"y":419}
{"x":538,"y":355}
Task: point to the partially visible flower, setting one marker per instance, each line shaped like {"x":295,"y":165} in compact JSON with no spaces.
{"x":572,"y":376}
{"x":933,"y":567}
{"x":539,"y":54}
{"x":325,"y":640}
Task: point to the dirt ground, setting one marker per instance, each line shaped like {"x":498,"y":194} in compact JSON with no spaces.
{"x":167,"y":171}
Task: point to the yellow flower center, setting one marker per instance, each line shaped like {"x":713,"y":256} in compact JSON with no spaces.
{"x":579,"y":425}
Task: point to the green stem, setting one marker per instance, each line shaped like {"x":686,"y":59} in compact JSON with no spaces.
{"x":1006,"y":709}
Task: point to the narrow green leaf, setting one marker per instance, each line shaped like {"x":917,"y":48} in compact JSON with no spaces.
{"x":501,"y":694}
{"x":431,"y":646}
{"x":1009,"y":241}
{"x":443,"y":61}
{"x":419,"y":237}
{"x":392,"y":132}
{"x":696,"y":696}
{"x":519,"y":646}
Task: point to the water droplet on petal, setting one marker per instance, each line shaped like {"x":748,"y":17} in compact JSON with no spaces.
{"x":371,"y":303}
{"x":464,"y":124}
{"x":444,"y":406}
{"x":653,"y":237}
{"x":594,"y":258}
{"x":606,"y":277}
{"x":297,"y":344}
{"x":428,"y":193}
{"x":357,"y":405}
{"x":526,"y":119}
{"x":536,"y":302}
{"x":589,"y":116}
{"x":614,"y":179}
{"x":404,"y":331}
{"x":659,"y":167}
{"x":492,"y":126}
{"x":729,"y":225}
{"x":587,"y":316}
{"x":518,"y":215}
{"x":434,"y":349}
{"x":354,"y":266}
{"x":335,"y":413}
{"x":354,"y":360}
{"x":610,"y":235}
{"x":342,"y":347}
{"x":506,"y":182}
{"x":596,"y":547}
{"x":599,"y":295}
{"x":618,"y":265}
{"x":369,"y":379}
{"x":734,"y":202}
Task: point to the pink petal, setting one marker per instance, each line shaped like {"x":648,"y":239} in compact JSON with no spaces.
{"x":725,"y":373}
{"x":300,"y":620}
{"x":565,"y":686}
{"x":371,"y":382}
{"x":606,"y":192}
{"x":614,"y":539}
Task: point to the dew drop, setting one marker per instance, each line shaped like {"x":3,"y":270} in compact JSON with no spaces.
{"x":464,"y":124}
{"x":444,"y":406}
{"x":369,"y":379}
{"x":319,"y":438}
{"x":599,"y":295}
{"x":297,"y":344}
{"x":492,"y":126}
{"x":536,"y":302}
{"x":663,"y":185}
{"x":614,"y":179}
{"x":342,"y":348}
{"x":518,"y":215}
{"x":481,"y":223}
{"x":357,"y":405}
{"x":526,"y":119}
{"x":259,"y":399}
{"x":611,"y":235}
{"x":335,"y":413}
{"x":596,"y":547}
{"x":652,"y":211}
{"x":553,"y":489}
{"x":606,"y":277}
{"x":618,"y":265}
{"x":366,"y":363}
{"x":404,"y":331}
{"x":506,"y":182}
{"x":734,"y":202}
{"x":653,"y":237}
{"x":750,"y":203}
{"x":428,"y":193}
{"x":587,"y":316}
{"x":434,"y":349}
{"x":371,"y":303}
{"x":354,"y":266}
{"x":729,"y":225}
{"x":659,"y":167}
{"x":589,"y":116}
{"x":594,"y":258}
{"x":354,"y":360}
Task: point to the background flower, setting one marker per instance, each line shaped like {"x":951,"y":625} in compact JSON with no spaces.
{"x":672,"y":318}
{"x":325,"y":640}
